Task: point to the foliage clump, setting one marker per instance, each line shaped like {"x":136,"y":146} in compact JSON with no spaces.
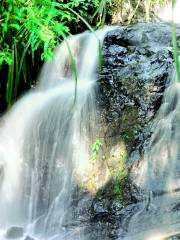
{"x":28,"y":26}
{"x":35,"y":27}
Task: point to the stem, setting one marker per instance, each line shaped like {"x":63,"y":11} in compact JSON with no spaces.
{"x":175,"y":44}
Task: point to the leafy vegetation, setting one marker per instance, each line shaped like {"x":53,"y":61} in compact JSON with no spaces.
{"x":27,"y":26}
{"x":35,"y":27}
{"x":96,"y":146}
{"x":175,"y":45}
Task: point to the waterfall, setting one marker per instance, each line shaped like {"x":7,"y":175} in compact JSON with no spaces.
{"x":44,"y":142}
{"x":158,"y":216}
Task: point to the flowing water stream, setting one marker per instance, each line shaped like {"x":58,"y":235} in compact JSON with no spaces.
{"x":44,"y":144}
{"x":158,"y":217}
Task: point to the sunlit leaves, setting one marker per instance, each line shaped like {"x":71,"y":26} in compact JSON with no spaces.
{"x":175,"y":45}
{"x":96,"y":146}
{"x":173,"y":3}
{"x":38,"y":18}
{"x":6,"y":56}
{"x":28,"y":26}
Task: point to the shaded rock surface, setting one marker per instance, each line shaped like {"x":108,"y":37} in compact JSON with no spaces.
{"x":175,"y":237}
{"x":14,"y":232}
{"x":28,"y":238}
{"x":138,"y":67}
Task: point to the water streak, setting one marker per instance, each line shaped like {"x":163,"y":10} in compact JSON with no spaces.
{"x":158,"y":217}
{"x":44,"y":142}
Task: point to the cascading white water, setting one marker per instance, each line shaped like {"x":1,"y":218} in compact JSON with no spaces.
{"x":44,"y":142}
{"x":159,"y":216}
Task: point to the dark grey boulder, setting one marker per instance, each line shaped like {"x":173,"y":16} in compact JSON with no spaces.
{"x":136,"y":71}
{"x":176,"y":237}
{"x":138,"y":67}
{"x":28,"y":238}
{"x":14,"y":232}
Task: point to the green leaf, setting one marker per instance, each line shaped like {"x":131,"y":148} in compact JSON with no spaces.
{"x":9,"y":60}
{"x":173,"y":3}
{"x":13,"y":25}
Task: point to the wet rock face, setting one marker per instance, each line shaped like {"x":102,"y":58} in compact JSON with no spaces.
{"x":137,"y":69}
{"x":176,"y":237}
{"x":138,"y":66}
